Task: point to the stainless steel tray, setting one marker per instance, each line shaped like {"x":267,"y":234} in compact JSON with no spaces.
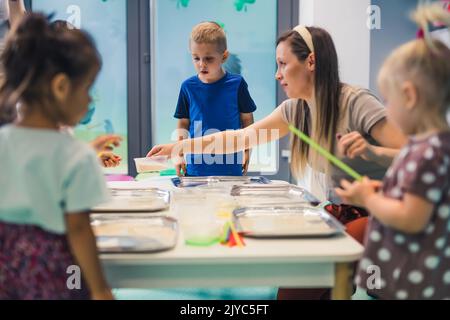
{"x":127,"y":233}
{"x":251,"y":195}
{"x":185,"y":182}
{"x":137,"y":200}
{"x":279,"y":221}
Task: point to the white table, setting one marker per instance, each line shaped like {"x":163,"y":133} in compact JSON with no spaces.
{"x":296,"y":263}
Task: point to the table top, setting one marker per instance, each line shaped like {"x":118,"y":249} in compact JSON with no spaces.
{"x":339,"y":248}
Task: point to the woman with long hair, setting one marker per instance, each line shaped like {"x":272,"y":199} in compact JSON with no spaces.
{"x":347,"y":120}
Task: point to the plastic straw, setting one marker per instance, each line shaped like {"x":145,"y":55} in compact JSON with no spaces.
{"x":235,"y":235}
{"x":341,"y":165}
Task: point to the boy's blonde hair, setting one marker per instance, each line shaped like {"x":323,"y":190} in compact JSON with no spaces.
{"x":425,"y":62}
{"x":211,"y":33}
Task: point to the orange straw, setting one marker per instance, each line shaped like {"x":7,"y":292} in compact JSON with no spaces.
{"x":236,"y":235}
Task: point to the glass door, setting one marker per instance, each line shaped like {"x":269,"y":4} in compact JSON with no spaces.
{"x":106,"y":21}
{"x":251,"y":29}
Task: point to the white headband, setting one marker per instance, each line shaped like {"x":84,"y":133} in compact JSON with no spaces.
{"x":306,"y":35}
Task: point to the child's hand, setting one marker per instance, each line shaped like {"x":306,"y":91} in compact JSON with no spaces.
{"x":353,"y":144}
{"x":181,"y":166}
{"x":356,"y":193}
{"x":106,"y":142}
{"x":245,"y":162}
{"x":109,"y":159}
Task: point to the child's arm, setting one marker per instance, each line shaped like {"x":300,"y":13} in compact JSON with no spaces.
{"x":16,"y":11}
{"x":104,"y":145}
{"x":246,"y":120}
{"x":106,"y":142}
{"x":182,"y":133}
{"x":409,"y":215}
{"x":83,"y":245}
{"x":272,"y":127}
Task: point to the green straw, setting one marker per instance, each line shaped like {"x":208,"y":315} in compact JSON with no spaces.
{"x":341,"y":165}
{"x":202,"y":242}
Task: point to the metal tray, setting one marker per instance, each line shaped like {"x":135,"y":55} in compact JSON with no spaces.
{"x":279,"y":222}
{"x":185,"y":182}
{"x":128,"y":233}
{"x":252,"y":195}
{"x":137,"y":200}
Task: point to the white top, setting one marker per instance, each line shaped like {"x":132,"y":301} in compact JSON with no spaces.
{"x":45,"y":174}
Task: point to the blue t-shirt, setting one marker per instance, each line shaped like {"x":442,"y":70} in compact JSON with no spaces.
{"x":213,"y":107}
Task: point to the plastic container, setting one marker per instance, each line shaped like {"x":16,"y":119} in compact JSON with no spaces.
{"x":286,"y":221}
{"x":168,"y":172}
{"x":122,"y":233}
{"x":197,"y":214}
{"x":152,"y":164}
{"x":137,"y":200}
{"x":118,"y":177}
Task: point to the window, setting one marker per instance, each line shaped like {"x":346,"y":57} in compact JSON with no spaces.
{"x":251,"y":28}
{"x":106,"y":21}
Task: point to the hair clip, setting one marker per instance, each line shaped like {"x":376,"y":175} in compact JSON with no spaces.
{"x":420,"y":34}
{"x":51,"y":16}
{"x":447,"y":5}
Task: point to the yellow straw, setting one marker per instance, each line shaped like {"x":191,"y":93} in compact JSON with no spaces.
{"x":341,"y":165}
{"x":223,"y":237}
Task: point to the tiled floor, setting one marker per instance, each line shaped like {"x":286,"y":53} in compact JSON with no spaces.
{"x":264,"y":293}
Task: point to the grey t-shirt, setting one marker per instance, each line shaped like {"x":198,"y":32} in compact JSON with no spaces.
{"x":360,"y":110}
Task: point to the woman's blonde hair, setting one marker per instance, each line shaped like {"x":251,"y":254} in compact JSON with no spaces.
{"x":211,"y":33}
{"x":425,"y":61}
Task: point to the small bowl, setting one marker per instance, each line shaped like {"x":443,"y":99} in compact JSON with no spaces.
{"x":152,"y":164}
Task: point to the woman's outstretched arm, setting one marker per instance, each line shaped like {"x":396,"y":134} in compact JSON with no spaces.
{"x":271,"y":128}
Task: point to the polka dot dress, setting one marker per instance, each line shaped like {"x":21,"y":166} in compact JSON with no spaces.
{"x":397,"y":265}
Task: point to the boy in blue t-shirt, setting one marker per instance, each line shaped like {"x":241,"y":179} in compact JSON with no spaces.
{"x":213,"y":100}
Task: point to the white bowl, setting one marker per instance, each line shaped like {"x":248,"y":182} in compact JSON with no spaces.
{"x":152,"y":164}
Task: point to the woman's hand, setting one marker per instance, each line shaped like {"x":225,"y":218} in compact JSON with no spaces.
{"x":358,"y":192}
{"x":353,"y":144}
{"x":168,"y":150}
{"x":173,"y":151}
